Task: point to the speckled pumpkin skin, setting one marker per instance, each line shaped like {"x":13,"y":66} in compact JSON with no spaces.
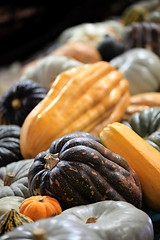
{"x":86,"y":172}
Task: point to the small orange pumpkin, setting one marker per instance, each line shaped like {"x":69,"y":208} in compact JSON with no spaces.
{"x":37,"y":207}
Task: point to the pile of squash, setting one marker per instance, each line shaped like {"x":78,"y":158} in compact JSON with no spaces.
{"x":80,"y":139}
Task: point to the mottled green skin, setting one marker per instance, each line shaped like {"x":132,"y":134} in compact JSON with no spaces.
{"x":147,"y":125}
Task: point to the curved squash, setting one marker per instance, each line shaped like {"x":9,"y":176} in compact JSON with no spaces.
{"x":141,"y":101}
{"x":83,"y":98}
{"x":141,"y":156}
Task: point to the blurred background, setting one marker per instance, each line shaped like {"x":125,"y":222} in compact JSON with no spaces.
{"x":29,"y":27}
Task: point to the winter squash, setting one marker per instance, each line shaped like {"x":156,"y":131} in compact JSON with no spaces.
{"x":103,"y":220}
{"x":91,"y":33}
{"x":52,"y":228}
{"x":112,"y":219}
{"x":110,"y":47}
{"x":139,"y":102}
{"x":9,"y":144}
{"x":14,"y":179}
{"x":147,"y":124}
{"x":83,"y":98}
{"x":82,"y":171}
{"x":12,"y":219}
{"x":141,"y":156}
{"x":20,"y":99}
{"x":140,"y":67}
{"x":37,"y":207}
{"x":10,"y":202}
{"x":142,"y":35}
{"x":80,"y":51}
{"x":140,"y":11}
{"x":46,"y":69}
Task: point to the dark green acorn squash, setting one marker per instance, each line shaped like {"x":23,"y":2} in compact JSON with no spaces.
{"x":19,"y":100}
{"x":9,"y":144}
{"x":110,"y":47}
{"x":147,"y":124}
{"x":79,"y":170}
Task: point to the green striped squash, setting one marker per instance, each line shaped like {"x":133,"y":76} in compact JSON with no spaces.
{"x":12,"y":219}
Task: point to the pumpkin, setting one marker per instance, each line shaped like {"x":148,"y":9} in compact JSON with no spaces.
{"x":12,"y":219}
{"x":37,"y":207}
{"x":52,"y":228}
{"x":9,"y":144}
{"x":10,"y":202}
{"x":110,"y":47}
{"x":141,"y":101}
{"x":20,"y":99}
{"x":141,"y":156}
{"x":80,"y":51}
{"x":46,"y":69}
{"x":139,"y":11}
{"x":140,"y":67}
{"x":83,"y":98}
{"x":82,"y":171}
{"x":142,"y":35}
{"x":91,"y":33}
{"x":112,"y":220}
{"x":14,"y":179}
{"x":147,"y":124}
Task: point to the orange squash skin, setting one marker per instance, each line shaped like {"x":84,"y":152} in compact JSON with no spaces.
{"x":37,"y":207}
{"x":82,"y":98}
{"x":140,"y":155}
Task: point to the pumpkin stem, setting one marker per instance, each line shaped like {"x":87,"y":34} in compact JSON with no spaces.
{"x":51,"y":160}
{"x":91,"y":220}
{"x":8,"y":179}
{"x":16,"y":103}
{"x":39,"y":234}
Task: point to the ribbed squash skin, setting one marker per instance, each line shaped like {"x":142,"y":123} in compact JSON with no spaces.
{"x":147,"y":124}
{"x":84,"y":98}
{"x":38,"y":207}
{"x":9,"y":144}
{"x":141,"y":156}
{"x":83,"y":172}
{"x":11,"y":220}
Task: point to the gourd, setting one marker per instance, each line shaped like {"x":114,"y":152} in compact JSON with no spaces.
{"x":91,"y":33}
{"x":112,"y":220}
{"x":9,"y":144}
{"x":52,"y":228}
{"x":141,"y":156}
{"x":142,"y":35}
{"x":14,"y":179}
{"x":110,"y":47}
{"x":10,"y":202}
{"x":140,"y":67}
{"x":147,"y":124}
{"x":140,"y":11}
{"x":20,"y":99}
{"x":46,"y":69}
{"x":103,"y":220}
{"x":139,"y":102}
{"x":12,"y":219}
{"x":83,"y":98}
{"x":37,"y":207}
{"x":80,"y":170}
{"x":80,"y":51}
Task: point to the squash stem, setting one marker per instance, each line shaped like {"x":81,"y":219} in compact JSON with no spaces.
{"x":51,"y":160}
{"x":8,"y":179}
{"x":91,"y":220}
{"x":16,"y":103}
{"x":39,"y":234}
